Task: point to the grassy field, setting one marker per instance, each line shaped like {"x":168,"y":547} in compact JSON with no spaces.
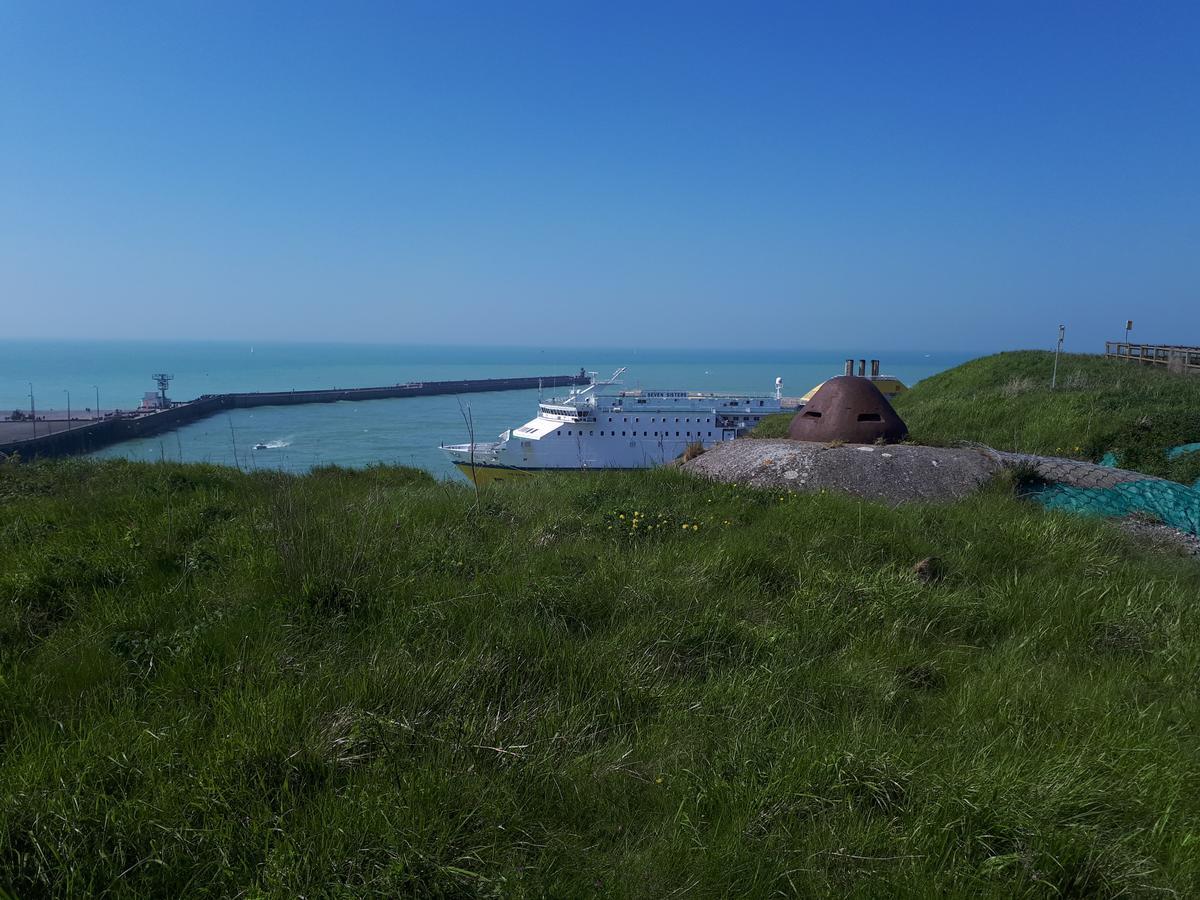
{"x":632,"y":685}
{"x":1100,"y":405}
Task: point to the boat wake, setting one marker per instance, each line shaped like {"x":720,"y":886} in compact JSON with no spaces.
{"x":273,"y":445}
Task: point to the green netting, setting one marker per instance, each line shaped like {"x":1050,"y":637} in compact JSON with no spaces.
{"x":1176,"y":452}
{"x":1175,"y":504}
{"x":1110,"y":460}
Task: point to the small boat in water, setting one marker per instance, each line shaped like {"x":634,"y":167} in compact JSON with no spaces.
{"x":261,"y":446}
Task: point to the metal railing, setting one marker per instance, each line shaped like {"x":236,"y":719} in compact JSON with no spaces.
{"x":1174,"y":357}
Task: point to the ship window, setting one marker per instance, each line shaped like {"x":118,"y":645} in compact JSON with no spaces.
{"x":760,"y":403}
{"x":622,"y":434}
{"x":710,"y":434}
{"x":591,"y":432}
{"x":677,"y":434}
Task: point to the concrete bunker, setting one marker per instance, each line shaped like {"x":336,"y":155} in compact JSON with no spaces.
{"x":850,"y":409}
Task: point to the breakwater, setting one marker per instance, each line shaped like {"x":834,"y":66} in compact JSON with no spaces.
{"x":115,"y":429}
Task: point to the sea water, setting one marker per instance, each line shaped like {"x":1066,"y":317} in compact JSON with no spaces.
{"x":403,"y":431}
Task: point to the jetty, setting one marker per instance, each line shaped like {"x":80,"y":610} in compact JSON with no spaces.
{"x":94,"y":434}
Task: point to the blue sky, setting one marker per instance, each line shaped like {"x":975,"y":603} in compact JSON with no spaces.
{"x":902,"y":175}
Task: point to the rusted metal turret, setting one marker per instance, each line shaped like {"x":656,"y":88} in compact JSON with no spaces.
{"x":848,"y":409}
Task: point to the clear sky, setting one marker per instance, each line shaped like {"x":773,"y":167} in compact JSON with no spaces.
{"x":954,"y":175}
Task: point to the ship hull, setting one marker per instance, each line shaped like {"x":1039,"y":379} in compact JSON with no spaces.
{"x":485,"y":475}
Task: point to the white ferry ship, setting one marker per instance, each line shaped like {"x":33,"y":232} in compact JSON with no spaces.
{"x":601,"y":426}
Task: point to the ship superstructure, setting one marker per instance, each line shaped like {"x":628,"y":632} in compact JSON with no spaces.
{"x":604,"y":426}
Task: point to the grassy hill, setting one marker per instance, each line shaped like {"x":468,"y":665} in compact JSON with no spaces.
{"x":215,"y":683}
{"x":1099,"y":406}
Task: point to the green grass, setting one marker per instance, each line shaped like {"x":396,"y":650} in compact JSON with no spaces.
{"x":1100,"y":405}
{"x":215,"y":683}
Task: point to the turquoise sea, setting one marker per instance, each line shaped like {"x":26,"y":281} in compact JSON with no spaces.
{"x":404,"y":431}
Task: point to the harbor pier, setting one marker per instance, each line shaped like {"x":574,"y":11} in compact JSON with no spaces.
{"x":90,"y":435}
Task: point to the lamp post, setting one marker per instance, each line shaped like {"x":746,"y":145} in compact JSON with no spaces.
{"x":68,"y":393}
{"x":32,"y":414}
{"x":97,"y":387}
{"x":1062,"y":331}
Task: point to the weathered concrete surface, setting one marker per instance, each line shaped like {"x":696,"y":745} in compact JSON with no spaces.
{"x":893,"y":474}
{"x":901,"y":473}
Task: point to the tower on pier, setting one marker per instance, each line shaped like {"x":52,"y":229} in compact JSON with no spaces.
{"x":164,"y":381}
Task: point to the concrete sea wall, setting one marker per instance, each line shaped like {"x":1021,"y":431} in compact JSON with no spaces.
{"x":97,"y":435}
